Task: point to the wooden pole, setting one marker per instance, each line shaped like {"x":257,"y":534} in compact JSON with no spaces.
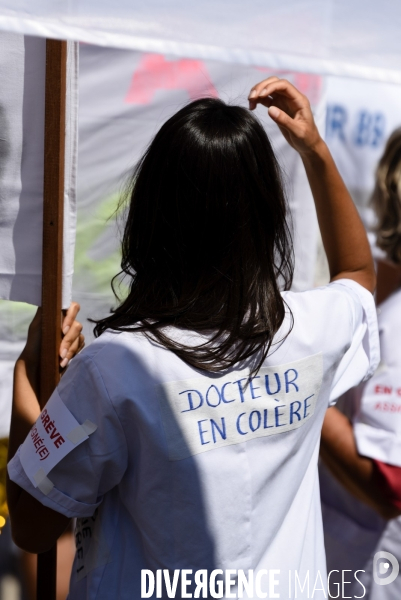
{"x":53,"y":205}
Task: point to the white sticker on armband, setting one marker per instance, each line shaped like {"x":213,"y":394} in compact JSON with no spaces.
{"x":81,"y":432}
{"x":43,"y":482}
{"x":203,"y":414}
{"x":54,"y":435}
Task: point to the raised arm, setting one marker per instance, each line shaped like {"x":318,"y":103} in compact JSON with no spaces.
{"x":343,"y":234}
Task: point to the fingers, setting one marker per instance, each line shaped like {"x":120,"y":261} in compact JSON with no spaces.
{"x":70,"y":317}
{"x":290,"y":109}
{"x":258,"y":87}
{"x":281,"y":118}
{"x":255,"y":93}
{"x":270,"y":89}
{"x":73,"y":334}
{"x":71,"y":345}
{"x":73,"y":340}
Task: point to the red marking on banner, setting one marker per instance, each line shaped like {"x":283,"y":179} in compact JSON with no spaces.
{"x":155,"y":73}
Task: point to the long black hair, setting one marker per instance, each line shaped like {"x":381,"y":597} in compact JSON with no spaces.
{"x":206,"y":240}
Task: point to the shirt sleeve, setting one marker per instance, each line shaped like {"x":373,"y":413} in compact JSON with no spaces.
{"x":361,"y":359}
{"x":76,"y":452}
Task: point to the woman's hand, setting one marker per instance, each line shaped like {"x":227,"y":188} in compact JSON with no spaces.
{"x":290,"y":110}
{"x":343,"y":233}
{"x":72,"y":342}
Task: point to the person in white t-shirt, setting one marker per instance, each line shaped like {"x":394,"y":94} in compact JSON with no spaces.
{"x":185,"y":439}
{"x":361,"y":439}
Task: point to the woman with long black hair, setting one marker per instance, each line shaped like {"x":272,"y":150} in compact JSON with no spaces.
{"x":186,"y":436}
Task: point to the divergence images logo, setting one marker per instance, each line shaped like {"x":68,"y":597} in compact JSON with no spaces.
{"x":385,"y":558}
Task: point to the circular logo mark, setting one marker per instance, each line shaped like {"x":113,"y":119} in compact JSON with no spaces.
{"x":383,"y":567}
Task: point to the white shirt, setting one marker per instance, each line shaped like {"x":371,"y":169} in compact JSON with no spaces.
{"x":174,"y":490}
{"x":354,"y":532}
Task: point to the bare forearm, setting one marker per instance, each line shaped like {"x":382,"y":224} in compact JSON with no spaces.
{"x":343,"y":233}
{"x":35,"y":527}
{"x":27,"y":514}
{"x":26,"y":373}
{"x":25,"y":403}
{"x":25,"y":411}
{"x":357,"y":473}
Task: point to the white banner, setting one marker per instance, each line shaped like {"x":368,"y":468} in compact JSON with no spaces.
{"x":326,"y":37}
{"x":361,"y":115}
{"x":22,"y":71}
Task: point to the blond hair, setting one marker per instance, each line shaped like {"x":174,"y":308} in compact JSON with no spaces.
{"x":386,"y":198}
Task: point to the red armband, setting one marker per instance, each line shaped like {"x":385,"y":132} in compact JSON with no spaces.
{"x":390,"y":476}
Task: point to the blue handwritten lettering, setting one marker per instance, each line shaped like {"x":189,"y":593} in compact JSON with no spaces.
{"x":259,"y":419}
{"x":238,"y":425}
{"x":241,"y":390}
{"x":191,"y":404}
{"x":253,"y":388}
{"x":294,"y":412}
{"x":278,"y":382}
{"x":288,"y":383}
{"x":213,"y":387}
{"x":221,"y":431}
{"x":277,"y":415}
{"x":306,"y":406}
{"x":202,"y":432}
{"x":265,"y":421}
{"x":222,"y":393}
